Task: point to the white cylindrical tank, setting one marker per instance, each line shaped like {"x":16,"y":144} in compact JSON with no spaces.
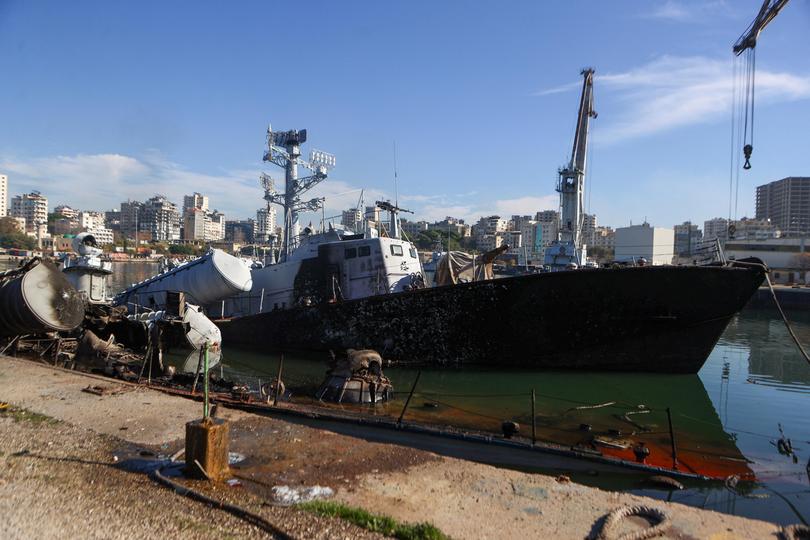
{"x":210,"y":278}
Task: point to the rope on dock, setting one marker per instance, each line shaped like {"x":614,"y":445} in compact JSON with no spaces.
{"x":612,"y":520}
{"x":237,"y":511}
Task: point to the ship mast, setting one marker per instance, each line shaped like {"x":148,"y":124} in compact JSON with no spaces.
{"x":568,"y":247}
{"x":284,"y":150}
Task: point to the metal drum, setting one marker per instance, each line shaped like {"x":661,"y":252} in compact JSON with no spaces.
{"x":38,"y":298}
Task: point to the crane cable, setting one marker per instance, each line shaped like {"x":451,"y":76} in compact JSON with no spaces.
{"x":748,"y":134}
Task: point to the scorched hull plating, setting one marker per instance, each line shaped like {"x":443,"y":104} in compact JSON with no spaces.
{"x":660,"y":319}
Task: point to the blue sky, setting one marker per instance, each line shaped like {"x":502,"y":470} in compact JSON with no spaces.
{"x":104,"y":101}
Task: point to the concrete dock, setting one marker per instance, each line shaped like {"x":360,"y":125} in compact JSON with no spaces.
{"x":59,"y":475}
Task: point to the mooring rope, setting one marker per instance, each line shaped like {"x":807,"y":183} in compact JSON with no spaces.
{"x":787,"y":323}
{"x":659,"y":517}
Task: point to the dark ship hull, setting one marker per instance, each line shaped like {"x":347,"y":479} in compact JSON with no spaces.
{"x":659,"y":319}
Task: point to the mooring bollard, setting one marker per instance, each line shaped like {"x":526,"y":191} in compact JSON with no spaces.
{"x":207,"y":439}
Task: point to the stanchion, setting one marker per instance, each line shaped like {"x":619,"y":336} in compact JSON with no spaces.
{"x":672,"y":441}
{"x":408,"y":401}
{"x":207,"y":439}
{"x":278,"y":380}
{"x":534,"y":421}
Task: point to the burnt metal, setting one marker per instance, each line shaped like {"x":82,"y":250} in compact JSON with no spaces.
{"x":652,"y":318}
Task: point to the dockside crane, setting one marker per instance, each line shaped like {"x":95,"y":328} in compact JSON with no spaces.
{"x":746,"y":43}
{"x":568,"y":248}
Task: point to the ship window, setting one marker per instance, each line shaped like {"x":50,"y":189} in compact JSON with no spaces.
{"x":364,"y":251}
{"x":396,"y":249}
{"x":351,"y":253}
{"x":413,"y":253}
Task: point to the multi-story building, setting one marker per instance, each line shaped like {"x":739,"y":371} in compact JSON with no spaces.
{"x":65,"y":211}
{"x":352,"y":218}
{"x":451,"y":224}
{"x":687,"y":238}
{"x":588,"y":228}
{"x":91,"y":220}
{"x":488,"y":226}
{"x":655,"y":244}
{"x":265,"y":224}
{"x":194,"y":224}
{"x":603,"y":237}
{"x":195,"y":200}
{"x":413,"y":228}
{"x":3,"y":195}
{"x":131,"y":216}
{"x":240,"y":232}
{"x":34,"y":208}
{"x":102,"y":235}
{"x":786,"y":203}
{"x":754,"y":229}
{"x":715,"y":228}
{"x":547,"y":216}
{"x":160,"y":217}
{"x":488,"y":242}
{"x":214,"y":226}
{"x":112,"y":220}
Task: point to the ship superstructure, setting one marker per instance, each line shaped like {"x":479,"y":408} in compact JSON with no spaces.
{"x":331,"y":265}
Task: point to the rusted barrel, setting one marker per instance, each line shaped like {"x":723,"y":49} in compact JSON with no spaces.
{"x":38,"y":298}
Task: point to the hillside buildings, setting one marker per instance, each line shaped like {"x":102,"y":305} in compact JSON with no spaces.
{"x":786,"y":203}
{"x":265,"y":225}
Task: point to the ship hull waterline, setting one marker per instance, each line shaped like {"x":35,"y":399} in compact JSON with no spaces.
{"x":659,"y":319}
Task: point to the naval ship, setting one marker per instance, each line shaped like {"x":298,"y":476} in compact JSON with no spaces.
{"x":338,"y":289}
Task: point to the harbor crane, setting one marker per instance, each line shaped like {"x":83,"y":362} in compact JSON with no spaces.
{"x":568,"y":249}
{"x":284,"y":150}
{"x":747,"y":43}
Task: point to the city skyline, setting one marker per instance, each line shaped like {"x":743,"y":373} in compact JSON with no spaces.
{"x":475,"y":135}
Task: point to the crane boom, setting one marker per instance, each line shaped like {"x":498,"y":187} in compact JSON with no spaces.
{"x":586,"y":112}
{"x":769,"y":10}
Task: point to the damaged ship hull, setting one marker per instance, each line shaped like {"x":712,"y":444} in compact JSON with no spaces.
{"x":657,"y":319}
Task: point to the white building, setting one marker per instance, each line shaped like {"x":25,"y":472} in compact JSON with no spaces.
{"x":3,"y":195}
{"x":265,"y":224}
{"x":655,"y":244}
{"x":34,"y":208}
{"x":214,"y":227}
{"x":352,"y":218}
{"x":91,"y":220}
{"x":102,"y":235}
{"x":195,"y":200}
{"x":588,"y":228}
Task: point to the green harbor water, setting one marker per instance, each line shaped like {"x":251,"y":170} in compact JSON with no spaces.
{"x":753,"y":384}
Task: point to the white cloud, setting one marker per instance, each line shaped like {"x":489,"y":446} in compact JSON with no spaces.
{"x":671,"y":92}
{"x":679,"y":11}
{"x":102,"y":181}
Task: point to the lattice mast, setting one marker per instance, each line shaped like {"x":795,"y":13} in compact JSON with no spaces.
{"x":284,"y":150}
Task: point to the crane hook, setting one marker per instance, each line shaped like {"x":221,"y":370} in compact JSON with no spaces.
{"x":747,"y":149}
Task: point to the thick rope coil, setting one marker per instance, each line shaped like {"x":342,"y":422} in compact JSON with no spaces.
{"x":795,"y":532}
{"x":612,"y":520}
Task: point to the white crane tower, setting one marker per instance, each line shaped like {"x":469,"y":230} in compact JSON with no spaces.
{"x":284,"y":150}
{"x":568,"y":249}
